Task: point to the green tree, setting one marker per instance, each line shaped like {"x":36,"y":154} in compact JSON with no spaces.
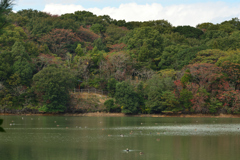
{"x":204,"y":26}
{"x":99,"y":44}
{"x":169,"y":56}
{"x":156,"y":88}
{"x":146,"y":43}
{"x":5,"y":9}
{"x":111,"y":87}
{"x":22,"y":63}
{"x":208,"y":56}
{"x":11,"y":35}
{"x":185,"y":99}
{"x":188,"y":31}
{"x":114,"y":33}
{"x":52,"y":86}
{"x":5,"y":66}
{"x":127,"y":98}
{"x":185,"y":56}
{"x":170,"y":102}
{"x":98,"y":28}
{"x":79,"y":50}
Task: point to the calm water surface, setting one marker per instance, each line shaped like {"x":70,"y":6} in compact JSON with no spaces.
{"x":99,"y":138}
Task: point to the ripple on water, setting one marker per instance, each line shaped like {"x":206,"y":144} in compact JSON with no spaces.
{"x":197,"y":129}
{"x":180,"y":129}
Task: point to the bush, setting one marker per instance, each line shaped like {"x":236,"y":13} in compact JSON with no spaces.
{"x":109,"y":104}
{"x":127,"y":98}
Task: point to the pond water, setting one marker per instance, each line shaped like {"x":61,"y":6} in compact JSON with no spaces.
{"x":107,"y":138}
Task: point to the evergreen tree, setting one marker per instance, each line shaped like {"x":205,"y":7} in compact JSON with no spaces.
{"x":5,"y":8}
{"x":127,"y":98}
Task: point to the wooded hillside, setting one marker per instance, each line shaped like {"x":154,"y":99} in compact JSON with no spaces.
{"x":146,"y":67}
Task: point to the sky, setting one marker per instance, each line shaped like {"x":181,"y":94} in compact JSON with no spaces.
{"x":177,"y":12}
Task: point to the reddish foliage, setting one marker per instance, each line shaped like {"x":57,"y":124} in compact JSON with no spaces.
{"x":231,"y":100}
{"x":117,"y":47}
{"x":117,"y":65}
{"x":205,"y":80}
{"x":205,"y":75}
{"x":89,"y":46}
{"x":124,"y":28}
{"x":87,"y":35}
{"x":232,"y":70}
{"x":43,"y":60}
{"x":57,"y":40}
{"x":199,"y":102}
{"x":178,"y":88}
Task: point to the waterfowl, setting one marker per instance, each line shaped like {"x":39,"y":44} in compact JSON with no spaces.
{"x":127,"y":150}
{"x":121,"y":135}
{"x":141,"y":153}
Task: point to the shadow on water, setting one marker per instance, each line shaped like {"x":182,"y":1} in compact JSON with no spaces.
{"x":1,"y":129}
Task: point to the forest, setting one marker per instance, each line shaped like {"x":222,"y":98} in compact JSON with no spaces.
{"x":146,"y":67}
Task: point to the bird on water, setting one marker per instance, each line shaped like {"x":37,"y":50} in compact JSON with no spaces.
{"x":127,"y":150}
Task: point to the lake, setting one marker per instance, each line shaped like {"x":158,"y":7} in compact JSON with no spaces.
{"x":107,"y":138}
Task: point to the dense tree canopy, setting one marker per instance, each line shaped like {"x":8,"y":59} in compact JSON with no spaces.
{"x":52,"y":87}
{"x":146,"y":67}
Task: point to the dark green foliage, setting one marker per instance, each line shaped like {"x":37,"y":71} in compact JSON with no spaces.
{"x":127,"y":98}
{"x":98,"y":28}
{"x":185,"y":100}
{"x":188,"y":31}
{"x":187,"y":77}
{"x":170,"y":102}
{"x":52,"y":86}
{"x":48,"y":52}
{"x":204,"y":26}
{"x":210,"y":56}
{"x":5,"y":65}
{"x":1,"y":129}
{"x":169,"y":58}
{"x":11,"y":35}
{"x":231,"y":42}
{"x":111,"y":87}
{"x":109,"y":104}
{"x":185,"y":56}
{"x":114,"y":33}
{"x":156,"y":88}
{"x":30,"y":13}
{"x":5,"y":9}
{"x":215,"y":105}
{"x":146,"y":43}
{"x":99,"y":44}
{"x":22,"y":63}
{"x":212,"y":34}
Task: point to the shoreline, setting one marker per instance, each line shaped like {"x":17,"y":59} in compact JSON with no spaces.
{"x":101,"y":114}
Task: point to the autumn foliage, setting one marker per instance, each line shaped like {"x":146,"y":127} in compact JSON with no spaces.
{"x":206,"y":81}
{"x":58,"y":39}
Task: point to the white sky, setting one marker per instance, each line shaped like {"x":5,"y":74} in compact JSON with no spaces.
{"x":177,"y":12}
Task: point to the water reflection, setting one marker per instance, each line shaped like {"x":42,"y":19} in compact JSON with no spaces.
{"x":108,"y":137}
